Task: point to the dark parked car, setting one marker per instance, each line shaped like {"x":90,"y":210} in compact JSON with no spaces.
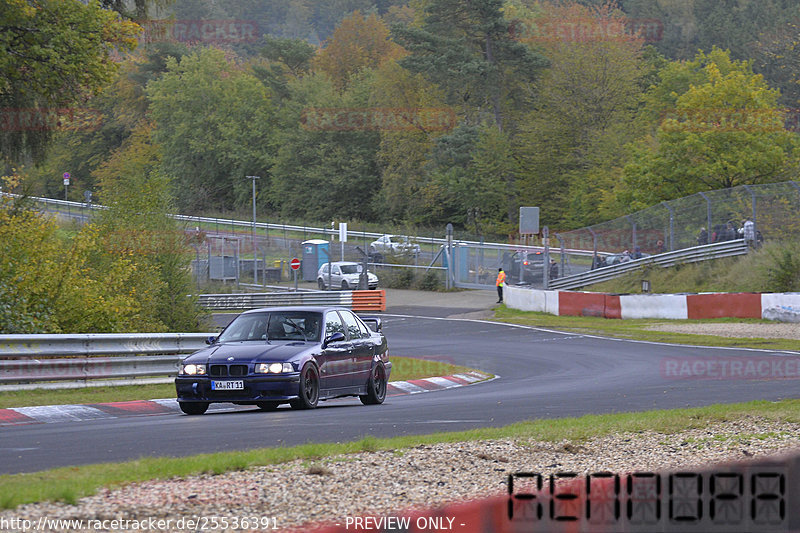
{"x":524,"y":267}
{"x":296,"y":355}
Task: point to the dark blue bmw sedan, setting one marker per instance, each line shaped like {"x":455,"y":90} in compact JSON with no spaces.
{"x":296,"y":355}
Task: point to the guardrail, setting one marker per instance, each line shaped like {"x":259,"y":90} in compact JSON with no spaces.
{"x":369,"y":300}
{"x":248,"y":225}
{"x":94,"y":359}
{"x":687,"y":255}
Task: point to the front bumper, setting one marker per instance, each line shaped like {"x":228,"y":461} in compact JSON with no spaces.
{"x":256,"y":388}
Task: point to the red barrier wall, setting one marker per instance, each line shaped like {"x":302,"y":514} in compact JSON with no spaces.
{"x":736,"y":305}
{"x":613,"y":309}
{"x":589,"y":304}
{"x":581,"y":304}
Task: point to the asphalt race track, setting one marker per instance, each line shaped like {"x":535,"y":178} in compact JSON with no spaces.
{"x":543,"y":374}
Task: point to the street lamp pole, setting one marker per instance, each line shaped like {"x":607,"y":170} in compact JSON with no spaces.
{"x":255,"y":254}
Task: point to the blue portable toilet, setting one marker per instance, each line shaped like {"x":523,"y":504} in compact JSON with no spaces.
{"x":315,"y":253}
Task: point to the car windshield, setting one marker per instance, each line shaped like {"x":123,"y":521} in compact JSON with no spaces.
{"x":275,"y":326}
{"x":351,"y":269}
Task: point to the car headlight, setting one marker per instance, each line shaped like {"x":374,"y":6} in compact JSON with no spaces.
{"x":193,"y":370}
{"x":274,"y":368}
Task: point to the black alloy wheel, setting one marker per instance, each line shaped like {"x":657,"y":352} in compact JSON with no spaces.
{"x":308,"y":395}
{"x":376,"y":387}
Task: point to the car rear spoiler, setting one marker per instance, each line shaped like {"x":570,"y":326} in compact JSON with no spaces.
{"x":375,"y":323}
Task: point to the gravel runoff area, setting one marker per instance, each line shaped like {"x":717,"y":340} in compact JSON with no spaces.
{"x":731,"y":329}
{"x":334,"y":488}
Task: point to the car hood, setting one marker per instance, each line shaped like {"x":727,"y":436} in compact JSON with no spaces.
{"x":276,"y":351}
{"x":370,"y":275}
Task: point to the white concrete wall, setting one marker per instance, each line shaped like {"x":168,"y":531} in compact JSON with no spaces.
{"x":671,"y":306}
{"x":785,"y":304}
{"x":526,"y":299}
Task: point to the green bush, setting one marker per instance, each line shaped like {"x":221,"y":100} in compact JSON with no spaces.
{"x":408,"y":278}
{"x":397,"y":278}
{"x":429,"y":281}
{"x":784,"y":273}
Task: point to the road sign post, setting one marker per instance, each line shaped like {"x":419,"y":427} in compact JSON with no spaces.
{"x":66,"y":184}
{"x":295,"y":264}
{"x":342,"y":235}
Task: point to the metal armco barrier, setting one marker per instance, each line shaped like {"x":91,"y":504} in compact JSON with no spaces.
{"x":374,"y":300}
{"x":687,"y":255}
{"x":75,"y":360}
{"x":743,"y":497}
{"x":369,"y":301}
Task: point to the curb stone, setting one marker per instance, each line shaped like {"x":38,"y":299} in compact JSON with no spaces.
{"x":48,"y":414}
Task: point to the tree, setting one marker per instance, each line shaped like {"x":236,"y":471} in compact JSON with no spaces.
{"x":53,"y":54}
{"x":571,"y":144}
{"x":777,"y":57}
{"x":404,"y":153}
{"x":726,"y":131}
{"x":137,"y":225}
{"x":287,"y":59}
{"x":214,"y":122}
{"x":53,"y":284}
{"x":323,"y":169}
{"x":465,"y":47}
{"x":358,"y":43}
{"x":116,"y":112}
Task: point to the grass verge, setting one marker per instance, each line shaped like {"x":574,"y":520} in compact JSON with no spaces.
{"x":635,"y":329}
{"x":403,"y":368}
{"x":71,"y":483}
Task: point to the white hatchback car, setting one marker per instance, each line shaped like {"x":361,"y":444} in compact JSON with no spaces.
{"x":344,"y":275}
{"x":394,"y":244}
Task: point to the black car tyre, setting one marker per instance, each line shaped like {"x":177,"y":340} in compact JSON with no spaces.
{"x":267,"y":406}
{"x":194,"y":408}
{"x":345,"y":286}
{"x":320,"y":283}
{"x":376,"y":387}
{"x":308,"y":395}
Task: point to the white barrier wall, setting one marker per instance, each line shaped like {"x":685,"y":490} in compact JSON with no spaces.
{"x":526,"y":299}
{"x":671,"y":306}
{"x":781,"y":306}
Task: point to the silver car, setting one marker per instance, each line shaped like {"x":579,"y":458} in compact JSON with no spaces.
{"x":344,"y":275}
{"x":395,"y":245}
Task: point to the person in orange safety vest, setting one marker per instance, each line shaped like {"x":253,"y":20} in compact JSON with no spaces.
{"x":501,"y":280}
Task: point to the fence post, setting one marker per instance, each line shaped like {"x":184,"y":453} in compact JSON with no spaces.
{"x":448,"y":255}
{"x":238,"y":258}
{"x":708,"y":215}
{"x":563,"y":254}
{"x":546,"y":261}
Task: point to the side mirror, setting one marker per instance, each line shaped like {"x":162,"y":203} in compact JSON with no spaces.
{"x":336,"y":337}
{"x":374,"y":323}
{"x":211,"y":340}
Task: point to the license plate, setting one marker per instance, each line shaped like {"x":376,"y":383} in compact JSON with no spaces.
{"x":227,"y":385}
